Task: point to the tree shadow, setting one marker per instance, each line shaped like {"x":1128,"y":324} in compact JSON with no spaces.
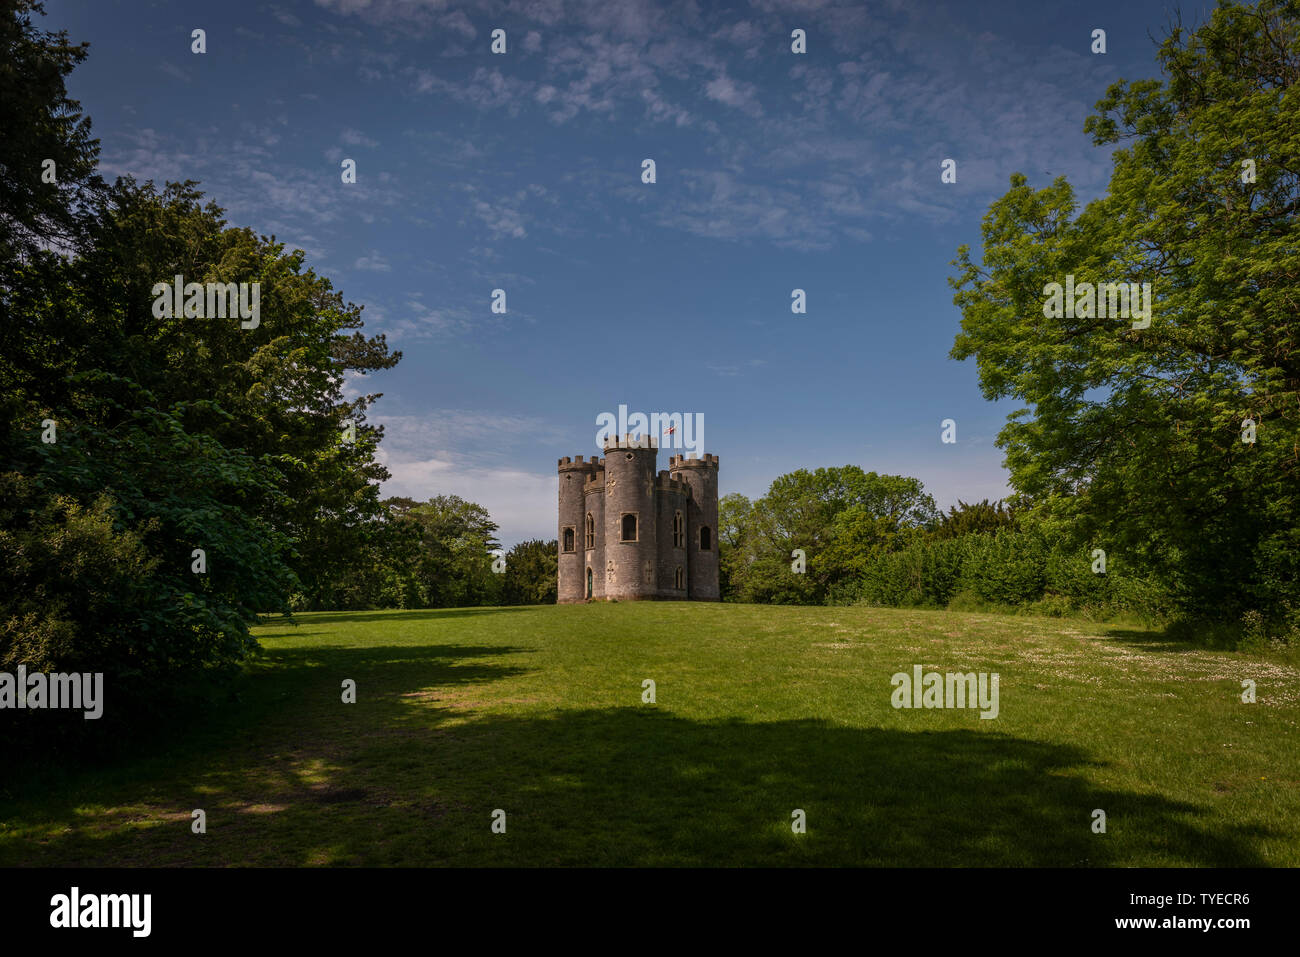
{"x":1148,"y":639}
{"x":429,"y":614}
{"x":287,"y":694}
{"x":414,"y":781}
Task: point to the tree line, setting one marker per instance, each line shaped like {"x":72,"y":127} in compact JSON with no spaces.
{"x":845,"y":536}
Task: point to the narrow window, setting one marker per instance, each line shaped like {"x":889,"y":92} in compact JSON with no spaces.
{"x":589,"y":581}
{"x":706,"y":539}
{"x":569,"y":538}
{"x":679,"y":530}
{"x":629,"y":527}
{"x":681,"y":577}
{"x":591,"y":531}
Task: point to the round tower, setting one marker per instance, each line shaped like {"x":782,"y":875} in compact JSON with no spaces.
{"x":700,"y":475}
{"x":570,"y":571}
{"x":674,"y":509}
{"x":631,"y":550}
{"x":593,"y":536}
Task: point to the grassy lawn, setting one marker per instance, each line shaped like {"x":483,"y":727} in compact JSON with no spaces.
{"x":760,"y":710}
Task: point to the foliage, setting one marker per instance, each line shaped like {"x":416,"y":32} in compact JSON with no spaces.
{"x":40,"y":123}
{"x":451,"y":565}
{"x":840,"y":518}
{"x":1135,"y":435}
{"x":138,"y":438}
{"x":530,"y":575}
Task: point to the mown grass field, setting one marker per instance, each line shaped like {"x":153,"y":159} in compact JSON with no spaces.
{"x":760,"y":710}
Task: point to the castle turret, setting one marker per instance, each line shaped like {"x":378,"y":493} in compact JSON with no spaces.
{"x":673,"y":511}
{"x":627,"y":533}
{"x":571,"y":581}
{"x":701,"y":476}
{"x":593,"y":555}
{"x":631,"y":549}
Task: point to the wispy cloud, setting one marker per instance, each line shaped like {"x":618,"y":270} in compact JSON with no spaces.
{"x":357,"y":138}
{"x":174,"y":71}
{"x":460,"y":452}
{"x":374,"y":262}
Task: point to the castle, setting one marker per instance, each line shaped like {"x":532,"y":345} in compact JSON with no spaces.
{"x":627,"y":535}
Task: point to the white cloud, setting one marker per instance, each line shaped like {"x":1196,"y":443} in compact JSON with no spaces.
{"x":357,"y":138}
{"x":459,"y":452}
{"x":374,"y":262}
{"x":521,"y":503}
{"x":742,"y":96}
{"x":457,"y":22}
{"x":501,"y":220}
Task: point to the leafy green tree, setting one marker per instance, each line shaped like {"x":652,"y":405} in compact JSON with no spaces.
{"x":970,"y":519}
{"x":530,"y":575}
{"x":734,"y":516}
{"x":138,"y":437}
{"x":456,"y":539}
{"x":98,"y":568}
{"x":1136,"y":435}
{"x":279,"y":385}
{"x":839,"y":517}
{"x":41,"y":123}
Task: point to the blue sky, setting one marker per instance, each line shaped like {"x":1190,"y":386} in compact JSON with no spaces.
{"x":522,"y":171}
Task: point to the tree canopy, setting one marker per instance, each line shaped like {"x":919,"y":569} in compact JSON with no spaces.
{"x":1179,"y":443}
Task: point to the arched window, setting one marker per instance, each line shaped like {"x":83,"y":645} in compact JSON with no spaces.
{"x":591,"y":531}
{"x":569,"y":538}
{"x":629,"y":527}
{"x":706,"y":539}
{"x":681,"y":577}
{"x":679,"y":530}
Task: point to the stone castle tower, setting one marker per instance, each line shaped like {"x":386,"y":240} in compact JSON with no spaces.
{"x":629,"y":535}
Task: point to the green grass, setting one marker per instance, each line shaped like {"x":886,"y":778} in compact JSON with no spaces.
{"x":760,"y":710}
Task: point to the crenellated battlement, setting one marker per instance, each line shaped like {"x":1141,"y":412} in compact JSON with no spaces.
{"x":667,"y":483}
{"x":576,"y":464}
{"x":691,"y":462}
{"x":629,"y":442}
{"x":595,"y":484}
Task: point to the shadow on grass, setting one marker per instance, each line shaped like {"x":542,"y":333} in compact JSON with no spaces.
{"x":380,"y":671}
{"x":421,"y":614}
{"x":1145,"y":639}
{"x":293,"y":692}
{"x":412,"y":773}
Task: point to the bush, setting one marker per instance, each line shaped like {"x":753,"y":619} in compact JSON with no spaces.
{"x":1009,"y":568}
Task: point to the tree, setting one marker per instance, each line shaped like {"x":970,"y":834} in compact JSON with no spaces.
{"x":45,"y":137}
{"x":455,"y":541}
{"x":735,"y":513}
{"x":972,"y":519}
{"x":839,"y":517}
{"x":530,"y":575}
{"x":168,"y":478}
{"x":1135,"y":436}
{"x":280,"y":382}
